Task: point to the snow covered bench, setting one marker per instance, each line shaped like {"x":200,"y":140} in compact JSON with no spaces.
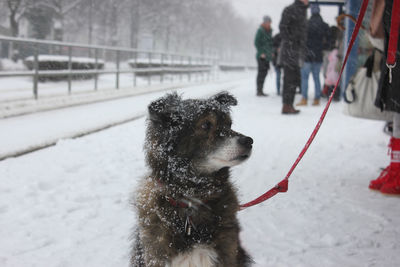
{"x":157,"y":67}
{"x":60,"y":63}
{"x":232,"y":67}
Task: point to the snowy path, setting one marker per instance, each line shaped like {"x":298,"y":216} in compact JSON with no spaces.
{"x":54,"y":95}
{"x":29,"y":132}
{"x":68,"y":205}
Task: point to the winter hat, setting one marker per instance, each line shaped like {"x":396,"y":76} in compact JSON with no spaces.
{"x":314,"y":9}
{"x":267,"y":19}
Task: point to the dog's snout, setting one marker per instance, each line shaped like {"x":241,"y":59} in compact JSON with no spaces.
{"x":246,"y":141}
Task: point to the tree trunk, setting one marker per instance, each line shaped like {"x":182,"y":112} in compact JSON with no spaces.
{"x":114,"y":25}
{"x":135,"y":23}
{"x":90,"y":22}
{"x":14,"y":25}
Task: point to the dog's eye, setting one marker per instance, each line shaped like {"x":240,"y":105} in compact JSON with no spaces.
{"x":206,"y":126}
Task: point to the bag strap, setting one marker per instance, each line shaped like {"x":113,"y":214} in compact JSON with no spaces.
{"x":378,"y":54}
{"x":353,"y":94}
{"x":369,"y":65}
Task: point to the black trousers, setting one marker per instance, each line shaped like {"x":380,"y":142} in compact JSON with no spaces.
{"x":263,"y":67}
{"x":291,"y":80}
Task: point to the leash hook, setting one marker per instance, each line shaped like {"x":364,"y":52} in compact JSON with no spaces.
{"x":390,"y":67}
{"x":188,"y":222}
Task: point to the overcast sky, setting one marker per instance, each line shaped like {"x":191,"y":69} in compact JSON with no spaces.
{"x":256,"y":9}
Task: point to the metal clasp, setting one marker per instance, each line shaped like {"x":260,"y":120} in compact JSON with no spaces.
{"x":390,"y":67}
{"x":189,"y":223}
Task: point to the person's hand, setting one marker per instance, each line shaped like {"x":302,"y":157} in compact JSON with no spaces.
{"x":262,"y":56}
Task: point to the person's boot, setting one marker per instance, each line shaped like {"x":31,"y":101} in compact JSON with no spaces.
{"x":391,"y":185}
{"x":382,"y":178}
{"x":324,"y":92}
{"x":384,"y":175}
{"x":389,"y":179}
{"x":289,"y":109}
{"x":303,"y":102}
{"x":261,"y":94}
{"x":388,"y":128}
{"x":315,"y":102}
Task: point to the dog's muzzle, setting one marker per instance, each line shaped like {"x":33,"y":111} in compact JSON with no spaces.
{"x":247,"y":144}
{"x":246,"y":141}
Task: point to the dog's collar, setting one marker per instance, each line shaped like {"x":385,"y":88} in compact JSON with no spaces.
{"x":191,"y":205}
{"x":185,"y":202}
{"x":179,"y":203}
{"x":189,"y":210}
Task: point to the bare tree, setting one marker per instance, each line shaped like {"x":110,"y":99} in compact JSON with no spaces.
{"x":186,"y":26}
{"x":16,"y":11}
{"x":60,"y":9}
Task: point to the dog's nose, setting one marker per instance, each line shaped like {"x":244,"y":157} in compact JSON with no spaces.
{"x":246,"y":141}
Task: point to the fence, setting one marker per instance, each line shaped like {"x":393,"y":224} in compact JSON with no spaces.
{"x":67,"y":65}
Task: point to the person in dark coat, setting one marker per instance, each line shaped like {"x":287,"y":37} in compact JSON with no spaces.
{"x":276,"y":61}
{"x":317,"y":38}
{"x":388,"y":98}
{"x":263,"y":43}
{"x":293,"y":29}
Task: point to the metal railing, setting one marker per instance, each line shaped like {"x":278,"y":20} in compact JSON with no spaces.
{"x":142,"y":62}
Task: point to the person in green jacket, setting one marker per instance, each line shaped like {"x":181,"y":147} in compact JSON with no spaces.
{"x":264,"y":46}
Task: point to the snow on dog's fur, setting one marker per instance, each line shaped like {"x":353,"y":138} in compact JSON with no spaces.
{"x":187,"y":206}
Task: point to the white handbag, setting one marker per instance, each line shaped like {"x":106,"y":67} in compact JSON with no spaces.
{"x":360,"y":93}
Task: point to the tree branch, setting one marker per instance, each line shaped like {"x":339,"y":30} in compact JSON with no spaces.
{"x":71,"y":6}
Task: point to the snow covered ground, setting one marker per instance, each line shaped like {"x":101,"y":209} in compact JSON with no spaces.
{"x":68,"y":205}
{"x":36,"y":130}
{"x":12,"y":89}
{"x":16,"y":94}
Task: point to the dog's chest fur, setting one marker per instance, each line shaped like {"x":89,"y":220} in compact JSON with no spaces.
{"x":163,"y":226}
{"x":198,"y":257}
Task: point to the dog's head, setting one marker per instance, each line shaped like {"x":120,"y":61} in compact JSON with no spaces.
{"x":195,"y":131}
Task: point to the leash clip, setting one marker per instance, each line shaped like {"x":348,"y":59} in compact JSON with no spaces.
{"x":390,"y":67}
{"x":188,"y":222}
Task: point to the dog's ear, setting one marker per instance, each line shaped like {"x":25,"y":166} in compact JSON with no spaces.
{"x":225,"y":99}
{"x":163,"y":110}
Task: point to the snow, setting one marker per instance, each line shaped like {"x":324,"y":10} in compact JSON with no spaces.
{"x":19,"y":90}
{"x":69,"y":205}
{"x":71,"y":122}
{"x":169,"y":61}
{"x":85,"y":95}
{"x":10,"y":65}
{"x":57,"y":58}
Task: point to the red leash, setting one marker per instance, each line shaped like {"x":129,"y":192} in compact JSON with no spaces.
{"x":393,"y":38}
{"x":282,"y":186}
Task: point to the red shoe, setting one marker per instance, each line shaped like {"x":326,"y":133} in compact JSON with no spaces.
{"x":382,"y":178}
{"x":391,"y":172}
{"x":392,"y":186}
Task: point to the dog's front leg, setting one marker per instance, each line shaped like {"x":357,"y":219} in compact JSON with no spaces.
{"x":155,"y":255}
{"x":227,"y":244}
{"x":152,"y":261}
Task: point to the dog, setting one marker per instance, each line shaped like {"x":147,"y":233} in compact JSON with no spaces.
{"x":187,"y":206}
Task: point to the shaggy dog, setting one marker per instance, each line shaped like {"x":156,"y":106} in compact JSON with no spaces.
{"x":187,"y":205}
